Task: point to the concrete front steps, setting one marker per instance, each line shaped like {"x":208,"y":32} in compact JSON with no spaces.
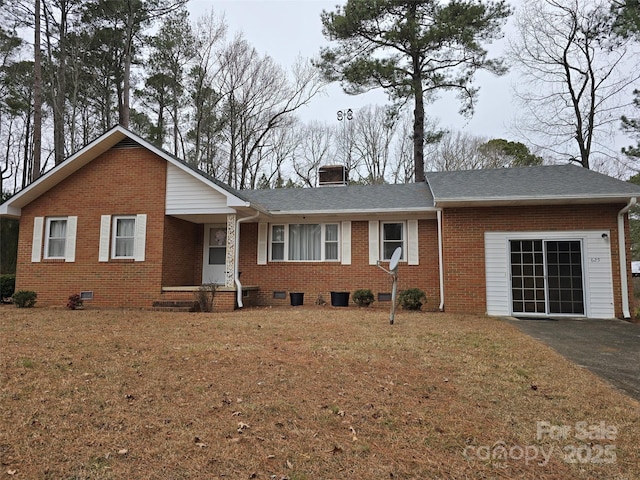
{"x":175,"y":306}
{"x":184,"y":299}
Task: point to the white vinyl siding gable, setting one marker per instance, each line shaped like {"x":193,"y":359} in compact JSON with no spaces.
{"x":189,"y":195}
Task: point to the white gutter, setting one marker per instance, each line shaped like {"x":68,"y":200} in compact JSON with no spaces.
{"x":440,"y":262}
{"x":348,"y":211}
{"x":236,"y":273}
{"x":624,"y":286}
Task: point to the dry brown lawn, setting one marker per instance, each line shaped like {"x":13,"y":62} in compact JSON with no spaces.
{"x":298,"y":393}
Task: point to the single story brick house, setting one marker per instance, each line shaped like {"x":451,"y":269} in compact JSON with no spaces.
{"x":129,"y":225}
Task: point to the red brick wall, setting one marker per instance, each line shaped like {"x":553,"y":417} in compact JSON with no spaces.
{"x":103,"y":187}
{"x":463,"y":239}
{"x":320,"y":278}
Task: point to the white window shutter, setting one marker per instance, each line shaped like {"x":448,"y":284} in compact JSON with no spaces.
{"x":36,"y":246}
{"x":105,"y":236}
{"x":346,"y":243}
{"x":413,"y":252}
{"x":141,"y":237}
{"x":374,"y":242}
{"x":70,"y":241}
{"x":263,"y":230}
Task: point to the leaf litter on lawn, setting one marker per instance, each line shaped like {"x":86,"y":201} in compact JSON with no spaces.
{"x":297,"y":393}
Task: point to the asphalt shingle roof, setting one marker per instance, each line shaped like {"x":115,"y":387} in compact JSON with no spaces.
{"x":550,"y":181}
{"x":356,"y":198}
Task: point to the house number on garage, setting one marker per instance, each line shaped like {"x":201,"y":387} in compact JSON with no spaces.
{"x":594,"y":259}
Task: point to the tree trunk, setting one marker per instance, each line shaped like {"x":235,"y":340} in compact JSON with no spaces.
{"x":418,"y":96}
{"x":418,"y":129}
{"x":125,"y":108}
{"x":37,"y":97}
{"x":60,"y":88}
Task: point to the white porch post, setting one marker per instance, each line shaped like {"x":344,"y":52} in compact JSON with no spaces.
{"x":229,"y":279}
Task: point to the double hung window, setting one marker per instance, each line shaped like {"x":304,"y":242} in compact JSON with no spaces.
{"x":393,"y":236}
{"x":124,"y":235}
{"x":56,"y":239}
{"x":305,"y":242}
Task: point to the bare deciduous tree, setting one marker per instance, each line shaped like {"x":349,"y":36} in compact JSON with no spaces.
{"x":374,"y":129}
{"x":314,"y":151}
{"x":259,"y":98}
{"x":574,"y":73}
{"x":457,"y":151}
{"x":206,"y":124}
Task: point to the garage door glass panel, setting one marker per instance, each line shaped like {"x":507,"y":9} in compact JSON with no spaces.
{"x":527,"y":276}
{"x":546,"y":277}
{"x":564,"y":264}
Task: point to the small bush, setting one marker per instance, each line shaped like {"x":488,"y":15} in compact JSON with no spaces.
{"x":74,"y":302}
{"x":363,"y":297}
{"x":412,"y":299}
{"x":25,"y":298}
{"x":205,"y":295}
{"x":7,"y":286}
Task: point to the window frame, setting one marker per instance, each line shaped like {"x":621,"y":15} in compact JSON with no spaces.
{"x":115,"y":237}
{"x":323,"y":242}
{"x":48,"y":237}
{"x":284,"y":242}
{"x":403,"y":240}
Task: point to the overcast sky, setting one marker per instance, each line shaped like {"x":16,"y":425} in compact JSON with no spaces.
{"x":286,"y":29}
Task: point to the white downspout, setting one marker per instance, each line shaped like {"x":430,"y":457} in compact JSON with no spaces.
{"x":623,"y":258}
{"x":440,"y":262}
{"x":236,"y":273}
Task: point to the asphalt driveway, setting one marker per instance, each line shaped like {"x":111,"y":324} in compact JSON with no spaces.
{"x":609,"y":348}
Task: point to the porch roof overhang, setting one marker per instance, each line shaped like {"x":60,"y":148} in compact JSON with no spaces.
{"x":216,"y":215}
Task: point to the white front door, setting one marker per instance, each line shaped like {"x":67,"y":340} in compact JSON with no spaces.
{"x":215,"y":254}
